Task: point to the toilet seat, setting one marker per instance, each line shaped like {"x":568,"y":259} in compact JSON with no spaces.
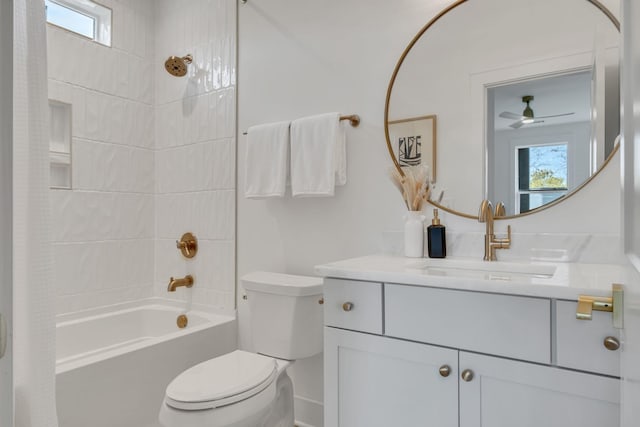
{"x":221,"y":381}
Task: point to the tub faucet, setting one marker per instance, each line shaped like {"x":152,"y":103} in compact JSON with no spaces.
{"x":176,"y":283}
{"x":491,"y":243}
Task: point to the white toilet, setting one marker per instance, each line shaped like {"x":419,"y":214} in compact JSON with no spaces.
{"x":242,"y":389}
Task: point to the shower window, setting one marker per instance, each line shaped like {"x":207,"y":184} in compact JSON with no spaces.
{"x":82,"y":17}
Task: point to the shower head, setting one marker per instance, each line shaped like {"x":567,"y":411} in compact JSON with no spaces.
{"x":177,"y":66}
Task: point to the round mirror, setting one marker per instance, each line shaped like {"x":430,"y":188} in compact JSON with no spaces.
{"x":515,"y":101}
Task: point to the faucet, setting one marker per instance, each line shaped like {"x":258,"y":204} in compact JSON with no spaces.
{"x":491,"y":243}
{"x":176,"y":283}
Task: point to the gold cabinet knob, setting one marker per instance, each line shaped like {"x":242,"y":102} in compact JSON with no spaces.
{"x":611,"y":343}
{"x":467,"y":375}
{"x":347,"y":306}
{"x":444,"y":370}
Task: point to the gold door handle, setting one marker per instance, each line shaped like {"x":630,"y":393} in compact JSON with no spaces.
{"x":611,"y":343}
{"x":347,"y":306}
{"x":444,"y":370}
{"x":613,"y":304}
{"x":467,"y":375}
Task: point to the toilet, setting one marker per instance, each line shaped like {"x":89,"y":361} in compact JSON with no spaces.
{"x":244,"y":389}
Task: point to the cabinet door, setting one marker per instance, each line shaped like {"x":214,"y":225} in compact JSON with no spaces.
{"x":507,"y":393}
{"x":373,"y":381}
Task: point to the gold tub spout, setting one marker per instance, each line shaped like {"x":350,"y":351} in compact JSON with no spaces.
{"x":176,"y":283}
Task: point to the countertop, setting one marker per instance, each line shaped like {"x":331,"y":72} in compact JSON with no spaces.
{"x":568,"y":280}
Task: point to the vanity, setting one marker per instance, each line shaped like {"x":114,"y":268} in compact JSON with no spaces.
{"x":471,"y":343}
{"x":465,"y":343}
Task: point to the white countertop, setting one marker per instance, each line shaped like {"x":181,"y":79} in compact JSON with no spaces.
{"x":568,"y":281}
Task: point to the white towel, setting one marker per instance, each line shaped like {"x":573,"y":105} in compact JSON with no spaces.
{"x":318,"y":155}
{"x":266,"y":160}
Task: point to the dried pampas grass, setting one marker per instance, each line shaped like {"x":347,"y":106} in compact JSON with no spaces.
{"x":414,"y":185}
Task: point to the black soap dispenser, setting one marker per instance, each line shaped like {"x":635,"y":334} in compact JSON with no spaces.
{"x":437,"y":242}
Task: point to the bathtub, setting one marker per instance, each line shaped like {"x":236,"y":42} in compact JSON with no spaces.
{"x":114,"y":363}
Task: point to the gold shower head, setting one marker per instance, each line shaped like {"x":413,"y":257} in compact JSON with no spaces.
{"x":177,"y":66}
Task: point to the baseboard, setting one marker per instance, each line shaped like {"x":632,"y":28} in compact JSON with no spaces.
{"x":309,"y":413}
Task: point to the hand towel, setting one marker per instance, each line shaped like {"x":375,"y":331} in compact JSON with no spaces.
{"x":266,"y":160}
{"x":318,"y":155}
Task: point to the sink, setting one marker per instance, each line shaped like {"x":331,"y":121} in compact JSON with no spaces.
{"x":493,"y":270}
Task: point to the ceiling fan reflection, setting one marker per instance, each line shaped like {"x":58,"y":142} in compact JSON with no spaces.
{"x":527,"y":117}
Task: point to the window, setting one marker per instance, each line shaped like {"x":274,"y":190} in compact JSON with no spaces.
{"x":82,"y":17}
{"x":541,"y":174}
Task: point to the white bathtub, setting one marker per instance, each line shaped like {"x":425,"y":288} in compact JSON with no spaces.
{"x":113,"y":364}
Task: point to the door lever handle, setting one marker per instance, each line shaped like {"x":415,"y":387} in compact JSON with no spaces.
{"x":613,"y":304}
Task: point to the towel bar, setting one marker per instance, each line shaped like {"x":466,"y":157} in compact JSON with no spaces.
{"x":354,"y":120}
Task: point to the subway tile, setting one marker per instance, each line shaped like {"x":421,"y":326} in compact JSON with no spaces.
{"x":78,"y":112}
{"x":209,"y":215}
{"x":226,"y":113}
{"x":95,"y":110}
{"x":79,"y":216}
{"x":121,"y":75}
{"x":110,"y":167}
{"x":188,"y":119}
{"x":74,"y":267}
{"x":200,"y":121}
{"x":162,"y":125}
{"x":114,"y":120}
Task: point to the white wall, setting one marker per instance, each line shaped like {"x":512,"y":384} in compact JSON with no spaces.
{"x":306,"y":57}
{"x":195,"y":141}
{"x":103,"y":228}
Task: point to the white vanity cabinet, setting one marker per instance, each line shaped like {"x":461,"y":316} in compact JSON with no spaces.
{"x":374,"y":381}
{"x":402,"y":355}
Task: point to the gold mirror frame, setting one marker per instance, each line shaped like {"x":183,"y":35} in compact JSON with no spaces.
{"x":396,"y":70}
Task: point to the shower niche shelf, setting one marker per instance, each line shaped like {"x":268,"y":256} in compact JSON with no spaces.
{"x":60,"y":144}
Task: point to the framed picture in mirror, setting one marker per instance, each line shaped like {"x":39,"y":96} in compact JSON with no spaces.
{"x":414,"y":141}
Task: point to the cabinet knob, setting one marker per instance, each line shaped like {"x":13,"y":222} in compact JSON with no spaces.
{"x":444,"y":370}
{"x":611,"y":343}
{"x":347,"y":306}
{"x":467,"y":375}
{"x":321,"y":301}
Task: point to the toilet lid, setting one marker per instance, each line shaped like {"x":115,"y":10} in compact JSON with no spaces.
{"x":221,"y":381}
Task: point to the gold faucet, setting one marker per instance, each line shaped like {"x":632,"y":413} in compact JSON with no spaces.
{"x":491,"y":243}
{"x":176,"y":283}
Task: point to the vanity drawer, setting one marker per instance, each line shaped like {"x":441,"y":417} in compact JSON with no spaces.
{"x":353,"y":305}
{"x":503,"y":325}
{"x":580,"y":343}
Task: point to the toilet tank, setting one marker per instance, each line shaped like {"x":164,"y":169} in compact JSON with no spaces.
{"x":286,"y":314}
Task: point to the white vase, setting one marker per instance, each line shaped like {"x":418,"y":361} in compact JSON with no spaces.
{"x":414,"y":234}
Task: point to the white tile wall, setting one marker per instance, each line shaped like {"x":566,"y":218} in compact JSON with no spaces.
{"x":195,"y":142}
{"x":153,"y":155}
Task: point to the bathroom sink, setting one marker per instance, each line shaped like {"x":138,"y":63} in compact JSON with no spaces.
{"x":494,"y":270}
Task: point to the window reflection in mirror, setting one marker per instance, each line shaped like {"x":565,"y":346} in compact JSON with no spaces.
{"x":542,"y":138}
{"x":542,"y":175}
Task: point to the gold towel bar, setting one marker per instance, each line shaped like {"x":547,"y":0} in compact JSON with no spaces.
{"x":354,"y":120}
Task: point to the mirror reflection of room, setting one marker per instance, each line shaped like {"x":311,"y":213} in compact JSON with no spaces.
{"x":542,"y":140}
{"x":491,"y":75}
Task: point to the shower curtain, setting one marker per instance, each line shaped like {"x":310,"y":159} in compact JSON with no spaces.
{"x":33,"y":298}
